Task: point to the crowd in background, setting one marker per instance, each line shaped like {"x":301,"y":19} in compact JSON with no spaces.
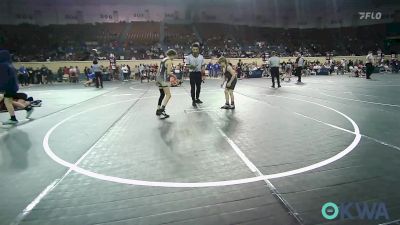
{"x":147,"y":72}
{"x":75,"y":42}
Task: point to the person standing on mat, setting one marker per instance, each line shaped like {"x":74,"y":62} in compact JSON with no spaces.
{"x":196,"y":65}
{"x":274,"y":64}
{"x":299,"y":67}
{"x":98,"y":74}
{"x":162,"y":82}
{"x":9,"y":86}
{"x":231,"y":79}
{"x":369,"y":65}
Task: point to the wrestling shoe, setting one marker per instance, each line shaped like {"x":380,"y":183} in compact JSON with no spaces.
{"x":29,"y":112}
{"x":10,"y":122}
{"x":164,"y":115}
{"x":226,"y":106}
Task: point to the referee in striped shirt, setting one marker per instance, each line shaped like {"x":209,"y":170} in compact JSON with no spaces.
{"x":196,"y":65}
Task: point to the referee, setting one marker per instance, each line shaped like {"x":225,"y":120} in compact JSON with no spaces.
{"x":274,"y":63}
{"x":195,"y":62}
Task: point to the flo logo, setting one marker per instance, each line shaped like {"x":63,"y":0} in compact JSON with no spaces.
{"x":355,"y":210}
{"x":370,"y":15}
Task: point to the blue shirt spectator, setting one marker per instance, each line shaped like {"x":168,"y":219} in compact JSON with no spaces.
{"x":22,"y":70}
{"x":209,"y":66}
{"x":216,"y":67}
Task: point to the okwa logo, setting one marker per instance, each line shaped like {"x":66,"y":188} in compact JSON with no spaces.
{"x":355,"y":210}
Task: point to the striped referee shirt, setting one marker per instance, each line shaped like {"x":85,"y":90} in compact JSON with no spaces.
{"x":198,"y":62}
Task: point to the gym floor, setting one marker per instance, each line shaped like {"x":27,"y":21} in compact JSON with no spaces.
{"x":102,"y":156}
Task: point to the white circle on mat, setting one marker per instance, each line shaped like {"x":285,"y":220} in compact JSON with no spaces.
{"x":115,"y":179}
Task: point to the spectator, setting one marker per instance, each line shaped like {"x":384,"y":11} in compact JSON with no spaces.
{"x":125,"y":72}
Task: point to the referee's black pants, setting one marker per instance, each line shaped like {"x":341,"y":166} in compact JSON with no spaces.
{"x":275,"y":75}
{"x":195,"y":85}
{"x":369,"y":70}
{"x":298,"y":73}
{"x":99,"y":79}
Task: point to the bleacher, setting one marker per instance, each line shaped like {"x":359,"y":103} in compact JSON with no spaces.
{"x":180,"y":34}
{"x":74,"y":41}
{"x":144,"y":33}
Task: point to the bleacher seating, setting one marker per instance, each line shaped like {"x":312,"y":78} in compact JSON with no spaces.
{"x":136,"y":39}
